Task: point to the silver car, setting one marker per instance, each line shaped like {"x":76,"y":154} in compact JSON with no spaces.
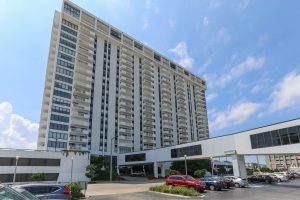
{"x":238,"y":182}
{"x":8,"y":193}
{"x":47,"y":191}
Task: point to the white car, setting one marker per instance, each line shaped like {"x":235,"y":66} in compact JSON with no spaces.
{"x":281,"y":176}
{"x":238,"y":182}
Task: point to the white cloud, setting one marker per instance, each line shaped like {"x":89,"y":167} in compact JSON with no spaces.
{"x":213,"y":4}
{"x":5,"y":109}
{"x":205,"y":65}
{"x":205,"y":21}
{"x":249,"y":64}
{"x":223,"y":35}
{"x":145,"y":23}
{"x":233,"y":115}
{"x":181,"y":52}
{"x":211,"y":96}
{"x":257,"y":88}
{"x":286,"y":93}
{"x":15,"y":130}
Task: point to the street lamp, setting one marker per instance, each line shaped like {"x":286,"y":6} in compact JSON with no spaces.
{"x":185,"y":164}
{"x":212,"y":166}
{"x":17,"y":159}
{"x":72,"y":159}
{"x":110,"y":167}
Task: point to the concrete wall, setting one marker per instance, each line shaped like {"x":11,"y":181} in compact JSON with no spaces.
{"x":79,"y":164}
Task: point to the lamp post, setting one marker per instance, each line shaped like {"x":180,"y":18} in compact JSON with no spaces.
{"x":17,"y":159}
{"x":72,"y":160}
{"x":212,"y":167}
{"x":185,"y":164}
{"x":110,"y":167}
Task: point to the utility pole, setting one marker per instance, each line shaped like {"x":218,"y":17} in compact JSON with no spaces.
{"x":16,"y":165}
{"x":110,"y":167}
{"x":185,"y":165}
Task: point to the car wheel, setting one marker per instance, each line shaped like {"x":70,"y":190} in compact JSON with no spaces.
{"x":237,"y":185}
{"x":212,"y":187}
{"x":279,"y":180}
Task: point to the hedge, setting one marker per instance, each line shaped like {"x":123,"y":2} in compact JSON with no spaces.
{"x":175,"y":190}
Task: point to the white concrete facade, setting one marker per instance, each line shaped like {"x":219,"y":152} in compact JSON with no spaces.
{"x":101,"y":83}
{"x":61,"y":169}
{"x":234,"y":145}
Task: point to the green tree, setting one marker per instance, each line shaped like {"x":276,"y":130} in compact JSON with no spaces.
{"x":75,"y":190}
{"x":192,"y":165}
{"x":199,"y":173}
{"x":173,"y":172}
{"x":38,"y":176}
{"x":91,"y":171}
{"x":222,"y":169}
{"x":94,"y":170}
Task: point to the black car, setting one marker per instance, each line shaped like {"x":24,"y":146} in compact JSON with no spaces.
{"x":228,"y":182}
{"x":260,"y":179}
{"x":214,"y":183}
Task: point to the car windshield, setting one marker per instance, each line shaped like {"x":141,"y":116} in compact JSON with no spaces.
{"x":26,"y":194}
{"x":190,"y":178}
{"x":7,"y":193}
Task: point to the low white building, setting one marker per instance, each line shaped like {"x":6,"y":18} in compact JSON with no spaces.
{"x":56,"y":166}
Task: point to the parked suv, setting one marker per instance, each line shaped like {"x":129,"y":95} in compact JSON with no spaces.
{"x":185,"y":181}
{"x":47,"y":191}
{"x":238,"y":182}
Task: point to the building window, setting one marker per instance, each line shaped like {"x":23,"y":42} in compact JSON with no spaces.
{"x":56,"y":144}
{"x":135,"y":157}
{"x":61,"y":127}
{"x":68,"y":30}
{"x":189,"y":151}
{"x":69,"y":24}
{"x":60,"y":110}
{"x":65,"y":64}
{"x":71,"y":11}
{"x":61,"y":101}
{"x":66,"y":50}
{"x":67,"y":43}
{"x":115,"y":34}
{"x":56,"y":135}
{"x":63,"y":78}
{"x":59,"y":118}
{"x":283,"y":136}
{"x":62,"y":94}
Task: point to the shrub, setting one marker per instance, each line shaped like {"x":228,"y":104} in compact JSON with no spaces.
{"x":199,"y":173}
{"x":38,"y":177}
{"x":174,"y":190}
{"x":75,"y":190}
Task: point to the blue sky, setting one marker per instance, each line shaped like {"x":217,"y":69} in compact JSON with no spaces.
{"x":247,"y":50}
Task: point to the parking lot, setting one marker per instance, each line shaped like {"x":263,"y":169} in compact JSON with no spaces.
{"x":139,"y":190}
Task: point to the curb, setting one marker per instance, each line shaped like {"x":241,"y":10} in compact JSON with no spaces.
{"x":178,"y":195}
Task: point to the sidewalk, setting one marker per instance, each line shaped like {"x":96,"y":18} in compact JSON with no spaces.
{"x":121,"y":187}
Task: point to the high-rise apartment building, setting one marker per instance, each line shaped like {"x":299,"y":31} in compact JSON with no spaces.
{"x":282,"y":161}
{"x":102,"y":87}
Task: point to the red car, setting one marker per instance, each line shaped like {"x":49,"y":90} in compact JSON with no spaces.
{"x":185,"y":181}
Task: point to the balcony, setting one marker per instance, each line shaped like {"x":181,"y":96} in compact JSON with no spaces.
{"x":76,"y":139}
{"x":79,"y":131}
{"x":79,"y":122}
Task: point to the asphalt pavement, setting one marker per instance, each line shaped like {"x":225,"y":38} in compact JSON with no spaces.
{"x":278,"y":191}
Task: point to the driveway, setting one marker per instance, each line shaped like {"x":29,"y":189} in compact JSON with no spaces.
{"x":139,"y":190}
{"x":121,"y":187}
